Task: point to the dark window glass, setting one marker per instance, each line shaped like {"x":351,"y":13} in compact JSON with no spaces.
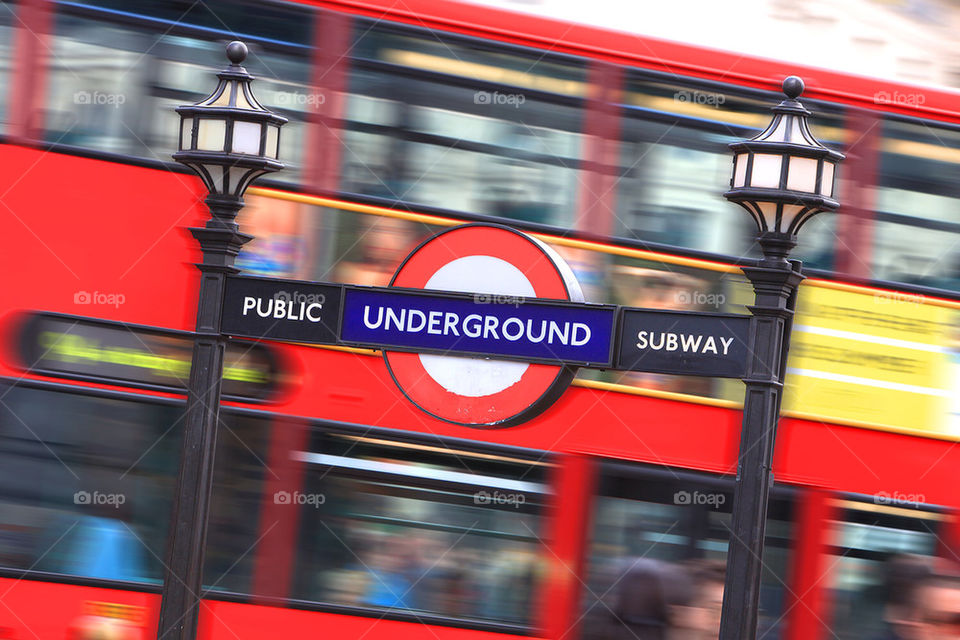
{"x":425,"y":529}
{"x":86,"y":485}
{"x":912,"y":204}
{"x":457,"y":126}
{"x":675,"y":164}
{"x":872,"y":544}
{"x":276,"y":21}
{"x":114,"y":84}
{"x":84,"y":479}
{"x":657,"y":554}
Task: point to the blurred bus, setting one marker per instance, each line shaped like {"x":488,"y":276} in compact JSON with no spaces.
{"x":340,"y":507}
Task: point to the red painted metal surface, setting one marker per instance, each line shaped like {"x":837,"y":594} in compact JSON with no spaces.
{"x":279,"y":517}
{"x":858,"y":193}
{"x":28,"y":82}
{"x":31,"y":609}
{"x":327,"y":104}
{"x":574,"y":484}
{"x":807,"y":609}
{"x":232,"y":621}
{"x":601,"y":151}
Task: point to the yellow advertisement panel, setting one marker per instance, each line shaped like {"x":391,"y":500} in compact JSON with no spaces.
{"x":878,"y":357}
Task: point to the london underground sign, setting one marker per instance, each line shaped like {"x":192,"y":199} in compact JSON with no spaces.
{"x":491,"y":262}
{"x":529,"y":330}
{"x":485,"y":326}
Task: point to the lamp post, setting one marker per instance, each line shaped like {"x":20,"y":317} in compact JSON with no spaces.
{"x":782,"y":177}
{"x":229,"y":139}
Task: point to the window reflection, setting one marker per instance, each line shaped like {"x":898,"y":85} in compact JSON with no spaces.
{"x":657,"y":556}
{"x":114,"y":86}
{"x":87,"y":484}
{"x":880,"y":554}
{"x":438,"y":532}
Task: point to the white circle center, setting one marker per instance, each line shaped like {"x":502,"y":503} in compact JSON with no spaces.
{"x":470,"y":376}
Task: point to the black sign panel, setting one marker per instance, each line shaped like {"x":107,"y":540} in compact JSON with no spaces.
{"x":134,"y":356}
{"x":684,"y":343}
{"x":282,"y":310}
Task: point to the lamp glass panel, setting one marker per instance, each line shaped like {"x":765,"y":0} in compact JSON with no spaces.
{"x":769,"y":212}
{"x":790,"y":212}
{"x":242,"y":102}
{"x":236,"y":179}
{"x":802,"y":175}
{"x":740,"y":170}
{"x":224,"y":98}
{"x":186,"y":133}
{"x":796,"y":133}
{"x":780,"y":133}
{"x":246,"y":137}
{"x":272,"y":148}
{"x":766,"y":171}
{"x":826,"y":182}
{"x":211,"y":134}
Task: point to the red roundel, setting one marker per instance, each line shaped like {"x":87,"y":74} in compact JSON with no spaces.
{"x":499,"y":263}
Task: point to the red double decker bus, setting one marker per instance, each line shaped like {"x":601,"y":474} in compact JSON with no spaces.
{"x":338,"y":506}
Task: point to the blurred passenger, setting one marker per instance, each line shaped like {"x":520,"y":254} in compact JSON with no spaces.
{"x":939,"y":600}
{"x":646,"y":600}
{"x":383,"y":244}
{"x":104,"y":546}
{"x":510,"y":583}
{"x":387,"y":586}
{"x":700,"y":619}
{"x":348,"y":586}
{"x":904,"y":577}
{"x":666,"y":291}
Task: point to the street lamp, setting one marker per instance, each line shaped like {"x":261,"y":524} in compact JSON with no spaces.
{"x":229,"y":139}
{"x":782,"y":177}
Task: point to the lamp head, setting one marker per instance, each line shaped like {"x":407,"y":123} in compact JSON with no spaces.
{"x":783,"y":176}
{"x":229,"y":139}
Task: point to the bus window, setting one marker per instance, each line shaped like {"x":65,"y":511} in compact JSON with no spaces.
{"x":658,"y":550}
{"x":86,"y":483}
{"x":105,"y":93}
{"x":422,"y":528}
{"x":83,"y":481}
{"x":875,"y":547}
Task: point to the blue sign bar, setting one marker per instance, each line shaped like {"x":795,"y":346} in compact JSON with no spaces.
{"x":521,"y":328}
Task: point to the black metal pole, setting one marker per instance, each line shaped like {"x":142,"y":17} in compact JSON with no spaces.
{"x":220,"y":241}
{"x":775,"y":282}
